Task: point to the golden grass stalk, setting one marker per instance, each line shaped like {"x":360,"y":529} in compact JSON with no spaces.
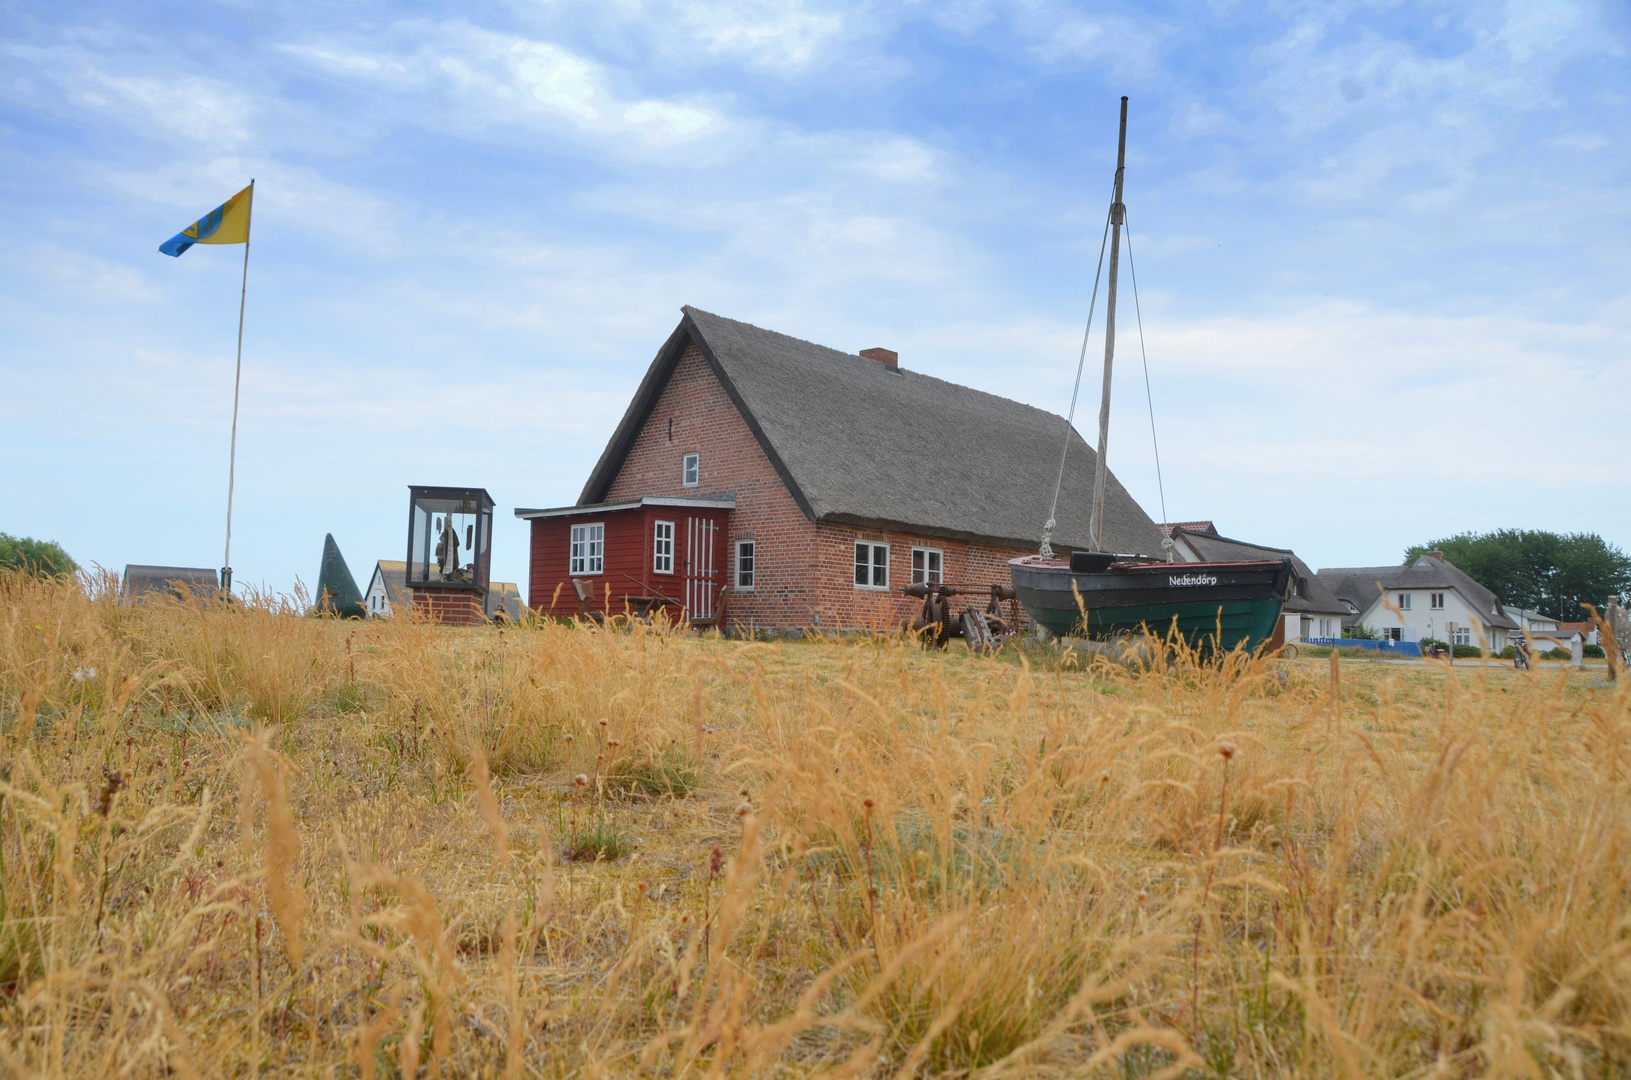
{"x":265,"y":768}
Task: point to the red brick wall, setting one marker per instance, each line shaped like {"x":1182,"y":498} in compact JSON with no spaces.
{"x":705,"y":422}
{"x":843,"y":605}
{"x":805,"y":572}
{"x":452,"y":607}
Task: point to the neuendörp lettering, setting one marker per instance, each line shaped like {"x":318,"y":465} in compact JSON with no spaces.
{"x":1191,"y":579}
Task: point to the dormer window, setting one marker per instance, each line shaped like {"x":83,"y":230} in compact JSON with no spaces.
{"x":691,"y":470}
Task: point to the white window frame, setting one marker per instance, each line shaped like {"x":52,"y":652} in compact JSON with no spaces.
{"x":690,"y":470}
{"x":1404,"y":601}
{"x":738,"y":584}
{"x":920,"y":574}
{"x":1435,"y":601}
{"x":662,"y":547}
{"x":873,"y":566}
{"x":586,"y":549}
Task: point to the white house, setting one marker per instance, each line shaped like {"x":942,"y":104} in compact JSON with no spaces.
{"x":1311,"y":611}
{"x":389,"y":588}
{"x":1428,"y":598}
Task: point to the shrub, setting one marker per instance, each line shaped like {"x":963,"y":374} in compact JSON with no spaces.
{"x":1467,"y":650}
{"x":671,"y":774}
{"x":595,"y":841}
{"x":1360,"y":632}
{"x":1595,"y":650}
{"x":39,"y":558}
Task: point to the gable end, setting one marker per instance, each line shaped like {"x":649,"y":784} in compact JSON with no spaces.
{"x":617,"y":451}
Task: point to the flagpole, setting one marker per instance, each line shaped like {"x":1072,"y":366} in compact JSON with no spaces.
{"x":237,"y":381}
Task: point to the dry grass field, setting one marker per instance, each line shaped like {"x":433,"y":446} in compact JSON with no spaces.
{"x":238,"y":841}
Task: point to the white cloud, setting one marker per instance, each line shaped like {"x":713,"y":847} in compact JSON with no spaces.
{"x":777,"y":35}
{"x":1582,"y":142}
{"x":85,"y":278}
{"x":464,"y":77}
{"x":1408,"y":106}
{"x":183,"y":107}
{"x":1203,"y":119}
{"x":1053,"y":32}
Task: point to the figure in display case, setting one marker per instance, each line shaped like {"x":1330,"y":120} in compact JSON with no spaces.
{"x":443,"y":524}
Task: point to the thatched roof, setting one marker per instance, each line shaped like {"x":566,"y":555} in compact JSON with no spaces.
{"x":858,"y":442}
{"x":1362,"y":585}
{"x":141,"y":580}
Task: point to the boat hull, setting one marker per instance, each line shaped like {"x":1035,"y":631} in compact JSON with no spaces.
{"x":1212,"y":605}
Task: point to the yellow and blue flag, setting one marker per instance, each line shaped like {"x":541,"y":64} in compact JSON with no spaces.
{"x":226,"y":224}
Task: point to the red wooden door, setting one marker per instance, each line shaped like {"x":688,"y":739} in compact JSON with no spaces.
{"x":701,"y":568}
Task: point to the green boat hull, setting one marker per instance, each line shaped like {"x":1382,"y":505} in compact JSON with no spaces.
{"x":1213,"y":606}
{"x":1210,"y":626}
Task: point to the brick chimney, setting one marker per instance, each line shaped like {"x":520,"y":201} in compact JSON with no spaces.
{"x":1439,"y":555}
{"x":887,"y":357}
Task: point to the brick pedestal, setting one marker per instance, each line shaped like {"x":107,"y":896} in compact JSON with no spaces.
{"x":451,"y":607}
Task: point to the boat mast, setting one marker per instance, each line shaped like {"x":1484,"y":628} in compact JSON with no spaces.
{"x":1101,"y":472}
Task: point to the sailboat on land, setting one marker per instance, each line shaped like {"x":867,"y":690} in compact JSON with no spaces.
{"x":1100,"y":594}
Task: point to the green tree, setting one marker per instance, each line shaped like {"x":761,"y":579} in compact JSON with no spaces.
{"x":42,"y":558}
{"x":1555,"y":573}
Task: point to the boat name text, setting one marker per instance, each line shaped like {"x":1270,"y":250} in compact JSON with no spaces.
{"x":1191,"y":579}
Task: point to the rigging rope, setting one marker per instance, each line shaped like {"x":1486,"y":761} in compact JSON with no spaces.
{"x":1148,"y":397}
{"x":1046,"y":548}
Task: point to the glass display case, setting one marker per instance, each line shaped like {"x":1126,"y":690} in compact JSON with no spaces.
{"x":449,"y":538}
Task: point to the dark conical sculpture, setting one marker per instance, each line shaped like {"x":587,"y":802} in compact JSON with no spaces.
{"x":337,"y":591}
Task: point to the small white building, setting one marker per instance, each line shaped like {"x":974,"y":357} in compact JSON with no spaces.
{"x":387,"y":588}
{"x":1428,"y":598}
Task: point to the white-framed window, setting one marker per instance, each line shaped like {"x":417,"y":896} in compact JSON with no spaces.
{"x":662,"y":548}
{"x":586,"y":554}
{"x":1435,"y":601}
{"x":1460,"y":635}
{"x":926,"y":566}
{"x":744,"y":565}
{"x":691,"y":470}
{"x":1404,"y":601}
{"x":1392,"y":633}
{"x":871,"y":566}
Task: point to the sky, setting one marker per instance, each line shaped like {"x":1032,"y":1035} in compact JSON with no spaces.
{"x":1383,"y":250}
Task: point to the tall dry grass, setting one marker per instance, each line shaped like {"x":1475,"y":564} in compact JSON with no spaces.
{"x":561,"y":851}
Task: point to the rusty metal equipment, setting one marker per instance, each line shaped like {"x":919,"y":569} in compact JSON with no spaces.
{"x":983,"y":630}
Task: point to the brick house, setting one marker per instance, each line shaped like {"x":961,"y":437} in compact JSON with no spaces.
{"x":815,"y":483}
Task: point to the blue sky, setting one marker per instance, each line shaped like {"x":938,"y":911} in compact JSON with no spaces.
{"x":1383,"y":249}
